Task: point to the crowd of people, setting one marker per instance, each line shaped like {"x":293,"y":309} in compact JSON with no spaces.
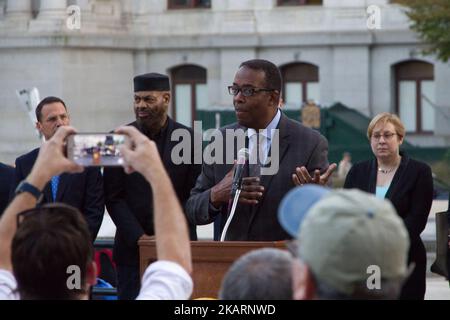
{"x":360,"y":242}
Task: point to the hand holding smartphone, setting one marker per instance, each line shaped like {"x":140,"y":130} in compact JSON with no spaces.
{"x":96,"y":149}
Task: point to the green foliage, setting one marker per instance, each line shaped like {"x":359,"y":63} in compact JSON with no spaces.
{"x":431,"y":20}
{"x":446,"y":158}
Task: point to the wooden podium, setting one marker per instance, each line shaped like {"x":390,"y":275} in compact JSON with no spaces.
{"x":210,"y":260}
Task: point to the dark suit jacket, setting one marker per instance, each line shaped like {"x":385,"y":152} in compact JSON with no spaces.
{"x":6,"y":181}
{"x":83,"y":191}
{"x":448,"y":210}
{"x":411,"y":193}
{"x":448,"y":251}
{"x":130,"y":203}
{"x":298,"y":146}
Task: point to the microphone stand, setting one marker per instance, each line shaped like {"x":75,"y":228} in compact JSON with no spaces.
{"x":230,"y":216}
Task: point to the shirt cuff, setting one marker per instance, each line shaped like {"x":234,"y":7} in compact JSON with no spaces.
{"x":165,"y":280}
{"x":8,"y":286}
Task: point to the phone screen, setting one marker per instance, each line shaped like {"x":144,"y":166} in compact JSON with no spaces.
{"x":96,"y":149}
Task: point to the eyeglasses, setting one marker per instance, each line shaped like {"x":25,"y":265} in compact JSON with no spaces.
{"x":246,"y":91}
{"x":386,"y":136}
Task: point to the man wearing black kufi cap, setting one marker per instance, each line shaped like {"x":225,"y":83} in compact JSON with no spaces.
{"x":129,"y":197}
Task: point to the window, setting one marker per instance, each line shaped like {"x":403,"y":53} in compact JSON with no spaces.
{"x":415,"y":89}
{"x":35,"y":5}
{"x":299,"y":2}
{"x":301,"y":83}
{"x":189,"y":92}
{"x":189,"y":4}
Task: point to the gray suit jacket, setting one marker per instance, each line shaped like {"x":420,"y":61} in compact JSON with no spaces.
{"x":298,"y":146}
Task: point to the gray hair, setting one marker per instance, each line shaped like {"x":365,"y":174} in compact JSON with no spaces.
{"x":263,"y":274}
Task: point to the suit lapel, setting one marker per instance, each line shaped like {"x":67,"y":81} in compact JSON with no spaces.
{"x":395,"y":184}
{"x":372,"y":184}
{"x":167,"y":151}
{"x":47,"y":198}
{"x":240,"y":229}
{"x":236,"y":147}
{"x":266,"y":180}
{"x":47,"y":194}
{"x":64,"y":181}
{"x":395,"y":180}
{"x":227,"y":165}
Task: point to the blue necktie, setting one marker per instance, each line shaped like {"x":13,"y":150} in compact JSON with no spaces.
{"x":55,"y":182}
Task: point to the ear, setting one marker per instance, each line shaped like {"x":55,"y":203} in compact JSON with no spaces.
{"x":275,"y":98}
{"x":166,"y":97}
{"x":400,"y":140}
{"x":38,"y":126}
{"x":303,"y":286}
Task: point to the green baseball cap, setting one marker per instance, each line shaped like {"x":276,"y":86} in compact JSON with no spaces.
{"x":347,"y":233}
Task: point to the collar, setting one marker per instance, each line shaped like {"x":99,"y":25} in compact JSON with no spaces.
{"x":163,"y":130}
{"x":156,"y":135}
{"x":270,"y":127}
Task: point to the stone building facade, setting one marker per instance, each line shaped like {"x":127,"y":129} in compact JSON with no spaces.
{"x":357,"y":52}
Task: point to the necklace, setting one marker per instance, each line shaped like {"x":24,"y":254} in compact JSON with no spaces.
{"x":386,"y":171}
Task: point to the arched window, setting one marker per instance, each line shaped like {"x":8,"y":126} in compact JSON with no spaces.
{"x":189,"y":92}
{"x":299,"y":2}
{"x":301,"y":83}
{"x":414,"y":88}
{"x":189,"y":4}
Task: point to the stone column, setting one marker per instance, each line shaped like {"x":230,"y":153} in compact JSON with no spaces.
{"x":52,"y":9}
{"x":18,"y":9}
{"x":52,"y":16}
{"x":85,"y":7}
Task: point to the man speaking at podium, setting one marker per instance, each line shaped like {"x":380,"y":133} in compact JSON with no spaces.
{"x":256,"y":95}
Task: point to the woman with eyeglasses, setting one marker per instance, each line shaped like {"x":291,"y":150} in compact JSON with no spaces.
{"x":406,"y":182}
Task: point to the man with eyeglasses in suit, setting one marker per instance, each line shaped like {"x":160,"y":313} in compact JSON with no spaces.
{"x":300,"y":152}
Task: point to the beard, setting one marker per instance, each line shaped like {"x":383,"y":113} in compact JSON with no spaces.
{"x":152,"y":122}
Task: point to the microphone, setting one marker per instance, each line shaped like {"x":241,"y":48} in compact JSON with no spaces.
{"x":242,"y":158}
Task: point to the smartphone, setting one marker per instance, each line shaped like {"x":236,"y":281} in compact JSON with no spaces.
{"x":96,"y":149}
